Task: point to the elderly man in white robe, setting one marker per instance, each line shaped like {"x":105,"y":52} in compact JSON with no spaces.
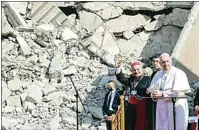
{"x":170,"y":82}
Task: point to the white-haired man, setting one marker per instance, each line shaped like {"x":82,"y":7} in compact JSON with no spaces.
{"x":170,"y":82}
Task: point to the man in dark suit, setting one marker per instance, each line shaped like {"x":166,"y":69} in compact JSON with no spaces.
{"x":111,"y":103}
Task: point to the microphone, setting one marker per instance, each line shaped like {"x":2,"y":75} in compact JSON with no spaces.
{"x":68,"y":75}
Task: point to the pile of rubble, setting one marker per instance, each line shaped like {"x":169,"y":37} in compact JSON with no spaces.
{"x":38,"y":54}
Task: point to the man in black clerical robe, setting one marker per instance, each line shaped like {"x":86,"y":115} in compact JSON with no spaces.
{"x":138,"y":83}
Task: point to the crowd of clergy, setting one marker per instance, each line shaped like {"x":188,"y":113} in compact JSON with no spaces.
{"x":149,"y":99}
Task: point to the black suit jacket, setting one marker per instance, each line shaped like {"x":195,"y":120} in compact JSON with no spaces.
{"x":116,"y":103}
{"x":196,"y":100}
{"x":141,"y":87}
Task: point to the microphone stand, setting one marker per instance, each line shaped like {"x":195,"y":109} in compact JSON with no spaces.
{"x":173,"y":101}
{"x":77,"y":96}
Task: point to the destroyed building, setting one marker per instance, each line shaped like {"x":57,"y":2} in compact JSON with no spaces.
{"x":42,"y":42}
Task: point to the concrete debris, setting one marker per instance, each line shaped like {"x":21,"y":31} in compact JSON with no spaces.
{"x":96,"y":6}
{"x":14,"y":16}
{"x":8,"y":123}
{"x":160,"y":17}
{"x":29,"y":106}
{"x":178,"y":17}
{"x":5,"y":93}
{"x":6,"y":31}
{"x":70,"y":70}
{"x":54,"y":123}
{"x":68,"y":34}
{"x":171,"y":35}
{"x":9,"y":109}
{"x":14,"y":101}
{"x":89,"y":21}
{"x":126,"y":23}
{"x":34,"y":94}
{"x":25,"y":49}
{"x":142,"y":6}
{"x":109,"y":13}
{"x":153,"y":26}
{"x":15,"y":84}
{"x":41,"y":45}
{"x":96,"y":112}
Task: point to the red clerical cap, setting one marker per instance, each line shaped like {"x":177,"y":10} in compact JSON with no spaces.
{"x":135,"y":63}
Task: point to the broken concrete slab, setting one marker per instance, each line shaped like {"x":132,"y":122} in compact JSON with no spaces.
{"x":33,"y":59}
{"x":70,"y":70}
{"x":109,"y":43}
{"x":133,"y":46}
{"x":158,"y":44}
{"x":68,"y":34}
{"x":153,"y":26}
{"x":128,"y":34}
{"x":7,"y":31}
{"x":21,"y":8}
{"x":105,"y":40}
{"x":44,"y":62}
{"x":55,"y":64}
{"x":126,"y":22}
{"x":8,"y":109}
{"x":178,"y":17}
{"x":95,"y":6}
{"x":80,"y":61}
{"x":48,"y":89}
{"x":179,"y":4}
{"x":48,"y":27}
{"x":54,"y":123}
{"x":34,"y":94}
{"x":8,"y":122}
{"x":160,"y":17}
{"x":56,"y":98}
{"x":144,"y":36}
{"x":7,"y":46}
{"x":29,"y":106}
{"x":47,"y":11}
{"x":96,"y":112}
{"x":89,"y":21}
{"x":141,"y":6}
{"x":25,"y":49}
{"x":5,"y":93}
{"x":109,"y":13}
{"x":14,"y":101}
{"x":15,"y":84}
{"x":4,"y":21}
{"x":13,"y":16}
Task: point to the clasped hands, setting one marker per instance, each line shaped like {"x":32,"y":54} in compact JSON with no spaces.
{"x":155,"y":93}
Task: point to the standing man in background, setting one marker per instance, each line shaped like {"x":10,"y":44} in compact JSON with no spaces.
{"x":111,"y":103}
{"x":169,"y":82}
{"x":151,"y":105}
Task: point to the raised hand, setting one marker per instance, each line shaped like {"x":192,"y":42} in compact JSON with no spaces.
{"x":117,"y":61}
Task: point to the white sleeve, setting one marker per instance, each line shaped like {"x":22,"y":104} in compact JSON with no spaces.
{"x":180,"y":86}
{"x":154,"y":83}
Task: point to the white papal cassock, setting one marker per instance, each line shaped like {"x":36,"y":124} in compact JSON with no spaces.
{"x":172,"y":83}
